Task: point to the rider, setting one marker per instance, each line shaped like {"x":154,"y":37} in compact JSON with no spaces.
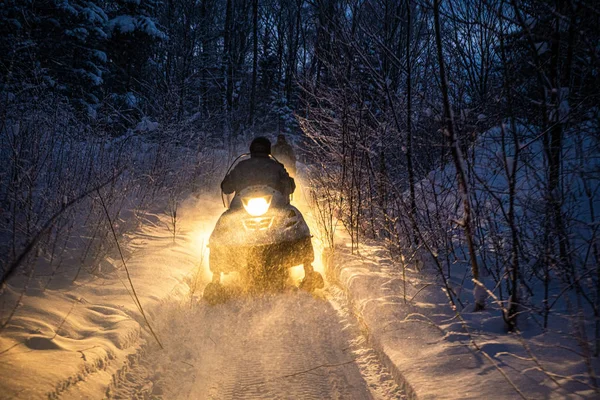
{"x":260,"y":169}
{"x":284,"y":153}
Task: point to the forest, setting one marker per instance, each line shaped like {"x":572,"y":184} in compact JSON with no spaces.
{"x":456,"y":133}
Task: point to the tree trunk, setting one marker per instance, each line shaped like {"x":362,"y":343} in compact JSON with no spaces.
{"x":409,"y":146}
{"x":555,"y":142}
{"x":254,"y":59}
{"x":227,"y":57}
{"x":457,"y":156}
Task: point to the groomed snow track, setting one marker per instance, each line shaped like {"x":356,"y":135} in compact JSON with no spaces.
{"x":291,"y":345}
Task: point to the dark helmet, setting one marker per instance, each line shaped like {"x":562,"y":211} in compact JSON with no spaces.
{"x":260,"y":145}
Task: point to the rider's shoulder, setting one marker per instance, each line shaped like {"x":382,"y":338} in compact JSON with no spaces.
{"x":245,"y":162}
{"x":258,"y":161}
{"x":276,"y":162}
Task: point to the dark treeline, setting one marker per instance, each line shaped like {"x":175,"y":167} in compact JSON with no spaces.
{"x":465,"y":133}
{"x":237,"y":64}
{"x":457,"y":131}
{"x":229,"y":65}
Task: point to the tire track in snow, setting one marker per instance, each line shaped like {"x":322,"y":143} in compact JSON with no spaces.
{"x":274,"y":347}
{"x":283,"y":354}
{"x":277,"y":347}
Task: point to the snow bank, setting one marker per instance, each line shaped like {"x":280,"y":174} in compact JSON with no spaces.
{"x":71,"y":340}
{"x":435,"y":352}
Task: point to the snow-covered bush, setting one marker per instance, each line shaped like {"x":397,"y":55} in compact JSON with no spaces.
{"x":56,"y":166}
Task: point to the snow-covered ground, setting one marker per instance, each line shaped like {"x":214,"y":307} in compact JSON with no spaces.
{"x":291,"y":345}
{"x":73,"y":339}
{"x":356,"y":339}
{"x":90,"y":341}
{"x":437,"y":353}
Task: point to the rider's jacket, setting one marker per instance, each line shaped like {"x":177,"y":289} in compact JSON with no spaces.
{"x":258,"y":170}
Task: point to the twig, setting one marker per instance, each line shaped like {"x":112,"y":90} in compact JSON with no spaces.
{"x":518,"y":335}
{"x":408,"y":318}
{"x":83,"y":354}
{"x":301,"y":372}
{"x":65,"y":318}
{"x":187,"y":363}
{"x":317,"y":367}
{"x":13,"y":266}
{"x":17,"y":303}
{"x":10,"y":348}
{"x":419,"y":291}
{"x":137,"y":300}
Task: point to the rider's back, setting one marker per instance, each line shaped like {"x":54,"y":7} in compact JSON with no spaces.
{"x":258,"y":171}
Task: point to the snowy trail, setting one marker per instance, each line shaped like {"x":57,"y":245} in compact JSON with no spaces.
{"x":284,"y":346}
{"x":88,"y":343}
{"x":272,"y":348}
{"x":289,"y":345}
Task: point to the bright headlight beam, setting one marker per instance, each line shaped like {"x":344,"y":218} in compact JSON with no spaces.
{"x":257,"y":206}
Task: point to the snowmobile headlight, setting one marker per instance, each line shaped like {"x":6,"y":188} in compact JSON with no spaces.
{"x":257,"y":206}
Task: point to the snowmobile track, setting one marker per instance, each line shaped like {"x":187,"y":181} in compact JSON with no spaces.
{"x":276,"y":353}
{"x":273,"y":347}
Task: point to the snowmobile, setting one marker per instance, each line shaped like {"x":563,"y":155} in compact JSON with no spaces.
{"x":260,"y":236}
